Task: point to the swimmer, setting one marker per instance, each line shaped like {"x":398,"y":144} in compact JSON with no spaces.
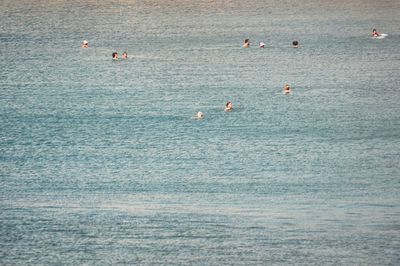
{"x":246,"y":43}
{"x":85,"y":44}
{"x":115,"y":55}
{"x":262,"y":45}
{"x":199,"y":115}
{"x":375,"y":33}
{"x":228,"y":107}
{"x":124,"y":55}
{"x":295,"y":44}
{"x":286,"y":89}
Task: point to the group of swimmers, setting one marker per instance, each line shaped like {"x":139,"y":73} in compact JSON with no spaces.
{"x":228,"y":108}
{"x":115,"y":55}
{"x":295,"y":44}
{"x":85,"y":44}
{"x":229,"y":105}
{"x":246,"y":44}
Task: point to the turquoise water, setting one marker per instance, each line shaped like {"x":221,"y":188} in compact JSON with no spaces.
{"x":102,"y":161}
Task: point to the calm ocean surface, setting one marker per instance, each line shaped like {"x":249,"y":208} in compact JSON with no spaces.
{"x":102,"y":162}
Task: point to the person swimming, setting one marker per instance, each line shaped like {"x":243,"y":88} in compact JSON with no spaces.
{"x":228,"y":107}
{"x":375,"y":33}
{"x":85,"y":44}
{"x":262,"y":45}
{"x":246,"y":43}
{"x":295,"y":44}
{"x":286,"y":89}
{"x":115,"y":55}
{"x":124,"y":55}
{"x":199,"y":115}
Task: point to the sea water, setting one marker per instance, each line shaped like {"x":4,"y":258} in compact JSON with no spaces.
{"x":102,"y":161}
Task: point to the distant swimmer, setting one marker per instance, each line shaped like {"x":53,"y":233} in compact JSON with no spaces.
{"x":246,"y":43}
{"x":286,"y":89}
{"x":115,"y":55}
{"x":124,"y":55}
{"x":375,"y":33}
{"x":262,"y":45}
{"x":228,"y":107}
{"x":199,"y":115}
{"x":85,"y":44}
{"x":295,"y":44}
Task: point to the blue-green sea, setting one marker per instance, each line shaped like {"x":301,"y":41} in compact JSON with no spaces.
{"x":103,"y":162}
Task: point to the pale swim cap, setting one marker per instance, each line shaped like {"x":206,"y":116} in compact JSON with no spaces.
{"x":85,"y":42}
{"x":262,"y":45}
{"x":200,"y":115}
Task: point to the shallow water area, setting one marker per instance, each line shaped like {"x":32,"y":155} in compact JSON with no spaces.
{"x":103,"y":162}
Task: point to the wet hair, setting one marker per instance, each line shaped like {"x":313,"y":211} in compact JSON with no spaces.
{"x":373,"y":29}
{"x":114,"y":54}
{"x":295,"y":43}
{"x":227,"y":104}
{"x":246,"y":40}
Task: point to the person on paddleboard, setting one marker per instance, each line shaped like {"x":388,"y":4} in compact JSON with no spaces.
{"x":375,"y":33}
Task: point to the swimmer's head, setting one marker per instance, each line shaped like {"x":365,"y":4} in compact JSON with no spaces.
{"x":295,"y":43}
{"x":228,"y":106}
{"x":262,"y":45}
{"x":199,"y":115}
{"x":85,"y":44}
{"x":115,"y":55}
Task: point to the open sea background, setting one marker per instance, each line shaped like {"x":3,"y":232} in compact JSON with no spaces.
{"x":102,"y":162}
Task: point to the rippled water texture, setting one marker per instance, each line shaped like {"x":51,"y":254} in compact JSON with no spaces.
{"x":102,"y":161}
